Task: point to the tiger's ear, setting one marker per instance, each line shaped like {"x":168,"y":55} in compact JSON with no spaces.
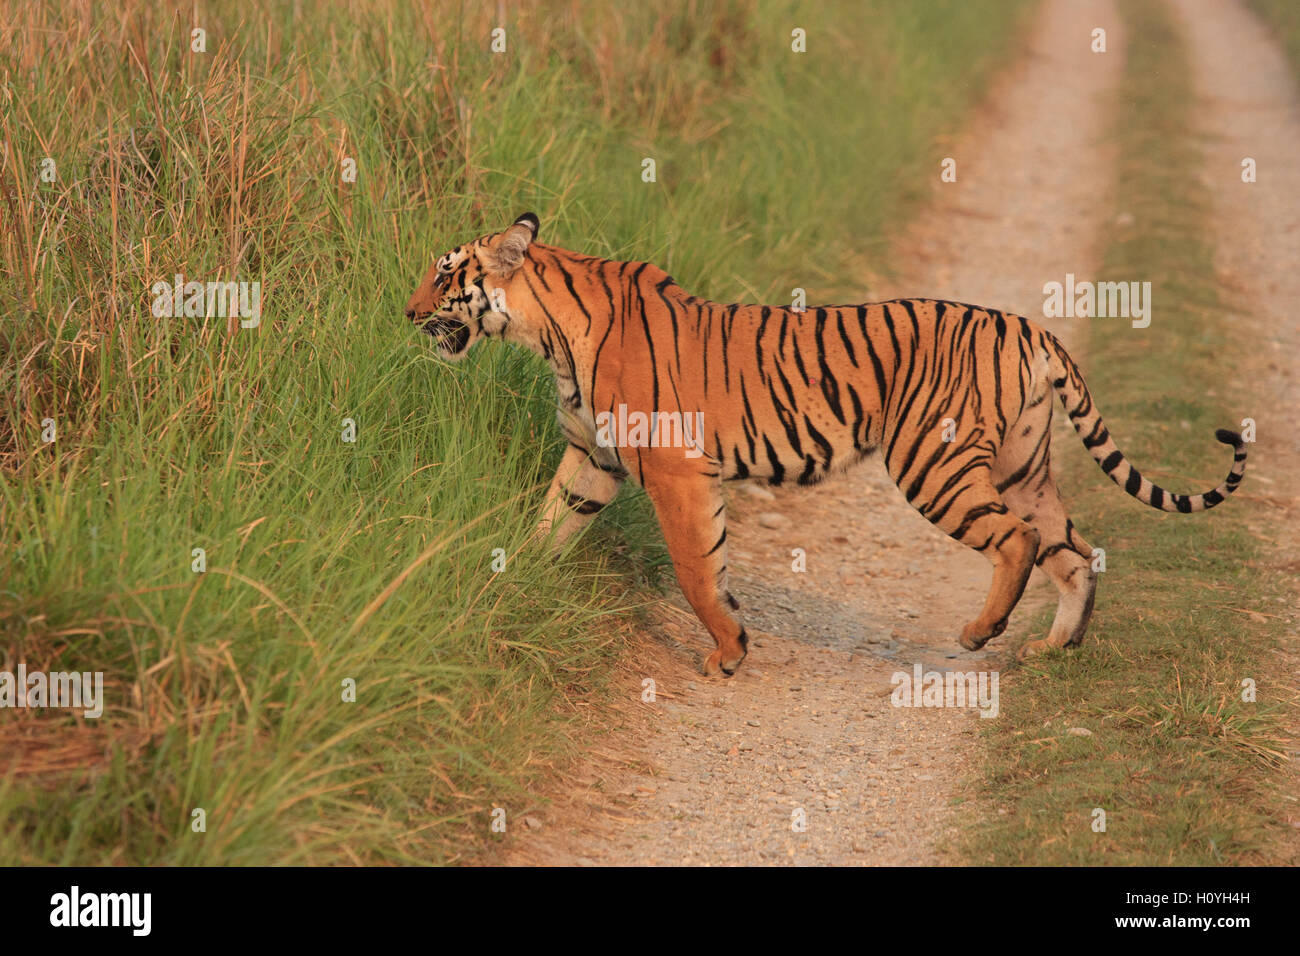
{"x":530,"y":220}
{"x":510,"y":248}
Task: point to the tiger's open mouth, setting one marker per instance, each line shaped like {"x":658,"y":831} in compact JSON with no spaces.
{"x":449,"y":335}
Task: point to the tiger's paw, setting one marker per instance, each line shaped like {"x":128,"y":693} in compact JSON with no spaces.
{"x":974,"y":635}
{"x":1034,"y":649}
{"x":715,"y":666}
{"x":541,"y":536}
{"x":549,"y":538}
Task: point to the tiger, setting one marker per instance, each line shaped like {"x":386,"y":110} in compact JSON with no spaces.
{"x":955,"y":398}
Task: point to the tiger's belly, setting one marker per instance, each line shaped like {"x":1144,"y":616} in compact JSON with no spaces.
{"x":801,"y":451}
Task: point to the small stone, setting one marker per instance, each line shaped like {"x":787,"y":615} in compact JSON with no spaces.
{"x":1079,"y":732}
{"x":770,"y":519}
{"x":752,"y":723}
{"x":532,"y":823}
{"x":757,"y":491}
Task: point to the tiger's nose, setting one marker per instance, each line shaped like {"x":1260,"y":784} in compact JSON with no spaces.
{"x":410,"y":314}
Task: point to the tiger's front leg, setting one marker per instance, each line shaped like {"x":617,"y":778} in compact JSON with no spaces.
{"x":578,"y":491}
{"x":691,"y":515}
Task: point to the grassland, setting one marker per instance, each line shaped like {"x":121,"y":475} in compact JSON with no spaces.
{"x":370,"y":560}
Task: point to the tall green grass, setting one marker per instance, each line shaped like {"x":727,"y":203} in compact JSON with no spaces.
{"x":372,"y":560}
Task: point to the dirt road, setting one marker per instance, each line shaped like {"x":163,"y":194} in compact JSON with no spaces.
{"x":802,"y":758}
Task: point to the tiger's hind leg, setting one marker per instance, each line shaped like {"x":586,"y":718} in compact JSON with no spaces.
{"x":986,"y":525}
{"x":1024,"y":477}
{"x":1064,"y":556}
{"x":959,"y":498}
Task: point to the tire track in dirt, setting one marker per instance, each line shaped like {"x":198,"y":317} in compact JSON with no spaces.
{"x":712,"y":771}
{"x":1249,"y":106}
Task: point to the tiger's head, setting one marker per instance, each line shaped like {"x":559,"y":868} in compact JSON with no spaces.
{"x":463,"y":296}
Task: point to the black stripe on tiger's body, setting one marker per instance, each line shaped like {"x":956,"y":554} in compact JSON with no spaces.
{"x":956,"y":399}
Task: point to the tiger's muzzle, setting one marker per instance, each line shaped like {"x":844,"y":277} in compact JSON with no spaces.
{"x":450,"y":334}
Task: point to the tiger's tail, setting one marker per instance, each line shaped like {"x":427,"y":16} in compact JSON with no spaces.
{"x":1069,"y":385}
